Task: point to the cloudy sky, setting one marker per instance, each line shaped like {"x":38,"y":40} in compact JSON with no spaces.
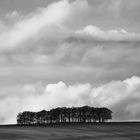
{"x":69,"y":53}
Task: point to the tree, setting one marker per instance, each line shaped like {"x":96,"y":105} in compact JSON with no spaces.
{"x":83,"y":114}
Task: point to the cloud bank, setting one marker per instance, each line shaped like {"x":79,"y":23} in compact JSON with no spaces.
{"x":121,"y":96}
{"x":30,"y":25}
{"x":74,"y":41}
{"x":49,"y":38}
{"x":109,"y":35}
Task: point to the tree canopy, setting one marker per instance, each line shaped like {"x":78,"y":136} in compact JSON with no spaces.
{"x":85,"y":114}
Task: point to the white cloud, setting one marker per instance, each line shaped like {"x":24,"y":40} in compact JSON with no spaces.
{"x":107,"y":35}
{"x":13,"y":15}
{"x":32,"y":26}
{"x":121,"y":96}
{"x":42,"y":50}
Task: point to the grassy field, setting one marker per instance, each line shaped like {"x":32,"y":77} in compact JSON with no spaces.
{"x":110,"y":131}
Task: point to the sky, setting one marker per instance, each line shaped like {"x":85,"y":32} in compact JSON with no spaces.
{"x":69,"y":53}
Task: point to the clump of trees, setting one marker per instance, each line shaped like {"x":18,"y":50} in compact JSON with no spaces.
{"x":85,"y":114}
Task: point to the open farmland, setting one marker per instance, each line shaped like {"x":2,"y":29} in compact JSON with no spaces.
{"x":109,"y":131}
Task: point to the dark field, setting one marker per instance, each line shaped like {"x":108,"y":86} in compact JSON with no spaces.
{"x":109,"y":131}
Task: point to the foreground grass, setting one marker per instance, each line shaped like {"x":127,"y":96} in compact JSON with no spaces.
{"x":109,"y":131}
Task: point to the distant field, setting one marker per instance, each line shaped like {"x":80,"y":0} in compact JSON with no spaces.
{"x":110,"y":131}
